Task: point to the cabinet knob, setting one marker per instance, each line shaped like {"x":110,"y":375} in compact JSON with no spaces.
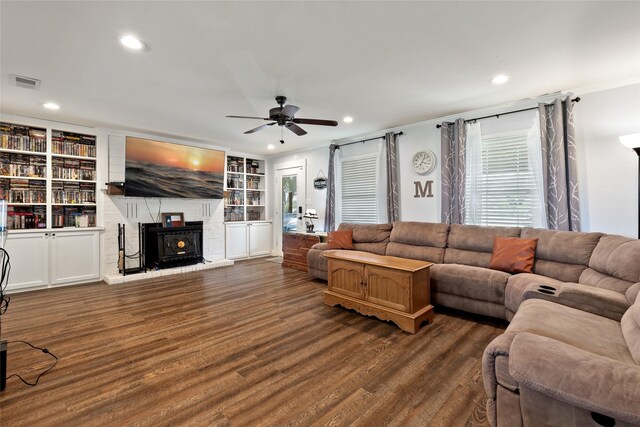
{"x":46,"y":234}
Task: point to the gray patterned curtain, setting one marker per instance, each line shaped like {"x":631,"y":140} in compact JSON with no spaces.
{"x":453,"y":144}
{"x":393,"y":199}
{"x":330,"y":207}
{"x":559,"y":165}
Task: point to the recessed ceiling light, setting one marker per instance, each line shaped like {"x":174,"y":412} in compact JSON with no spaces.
{"x":131,"y":42}
{"x":348,"y":119}
{"x":270,"y":147}
{"x":51,"y":106}
{"x":499,"y":79}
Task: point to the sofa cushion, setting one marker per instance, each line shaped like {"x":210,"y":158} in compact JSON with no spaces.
{"x":563,"y":255}
{"x":425,"y":253}
{"x":617,"y":256}
{"x":374,"y":248}
{"x":368,"y":233}
{"x":418,"y":240}
{"x":472,"y":244}
{"x":586,"y":331}
{"x":420,"y":233}
{"x":341,"y":239}
{"x":469,"y":281}
{"x":513,"y":254}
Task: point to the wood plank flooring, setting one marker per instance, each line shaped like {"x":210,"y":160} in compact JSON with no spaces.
{"x":252,"y":344}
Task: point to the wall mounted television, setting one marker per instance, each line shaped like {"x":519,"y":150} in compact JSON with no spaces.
{"x":162,"y":169}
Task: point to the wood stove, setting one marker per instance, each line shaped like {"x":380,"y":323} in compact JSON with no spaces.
{"x":166,"y":247}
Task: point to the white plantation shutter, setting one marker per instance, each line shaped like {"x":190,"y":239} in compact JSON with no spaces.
{"x":501,"y":186}
{"x":358,"y":188}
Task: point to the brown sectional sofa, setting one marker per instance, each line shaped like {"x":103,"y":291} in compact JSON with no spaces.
{"x":590,"y":271}
{"x":571,"y":353}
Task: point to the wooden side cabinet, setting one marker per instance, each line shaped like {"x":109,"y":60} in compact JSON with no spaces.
{"x":295,"y":246}
{"x":389,"y":288}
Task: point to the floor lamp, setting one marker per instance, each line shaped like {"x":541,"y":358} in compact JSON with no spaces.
{"x":633,"y":141}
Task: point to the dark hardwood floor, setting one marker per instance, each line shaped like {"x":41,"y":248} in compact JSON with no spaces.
{"x":251,"y":344}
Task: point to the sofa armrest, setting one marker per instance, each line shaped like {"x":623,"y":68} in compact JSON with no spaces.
{"x":576,"y":377}
{"x":632,"y":293}
{"x":322,"y":246}
{"x":496,"y":349}
{"x":603,"y":302}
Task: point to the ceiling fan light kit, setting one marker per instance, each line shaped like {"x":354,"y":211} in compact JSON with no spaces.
{"x":283,"y":116}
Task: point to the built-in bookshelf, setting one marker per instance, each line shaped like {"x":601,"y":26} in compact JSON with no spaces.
{"x":245,"y":189}
{"x":48,"y":177}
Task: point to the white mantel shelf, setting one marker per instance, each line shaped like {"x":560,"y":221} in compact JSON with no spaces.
{"x":113,"y":279}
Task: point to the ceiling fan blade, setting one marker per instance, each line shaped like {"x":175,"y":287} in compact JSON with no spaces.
{"x":289,"y":110}
{"x":315,"y":122}
{"x":247,"y":117}
{"x":260,"y":127}
{"x":296,"y":129}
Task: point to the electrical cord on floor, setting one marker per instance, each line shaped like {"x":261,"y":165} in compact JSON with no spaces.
{"x":5,"y":269}
{"x":44,"y":350}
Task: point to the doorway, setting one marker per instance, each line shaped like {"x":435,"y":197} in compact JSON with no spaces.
{"x":290,"y":200}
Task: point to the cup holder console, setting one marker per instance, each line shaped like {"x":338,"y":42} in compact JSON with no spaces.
{"x":549,"y":290}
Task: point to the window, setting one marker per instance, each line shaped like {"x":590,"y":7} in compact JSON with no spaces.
{"x":501,"y":189}
{"x":358,"y":188}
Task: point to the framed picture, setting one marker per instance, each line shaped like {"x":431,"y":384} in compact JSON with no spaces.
{"x":173,"y":219}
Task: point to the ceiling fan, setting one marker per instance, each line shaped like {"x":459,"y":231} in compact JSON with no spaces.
{"x":283,"y":116}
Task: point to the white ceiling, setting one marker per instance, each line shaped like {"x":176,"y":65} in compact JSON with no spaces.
{"x":384,"y":63}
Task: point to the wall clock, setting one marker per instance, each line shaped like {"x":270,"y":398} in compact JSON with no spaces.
{"x":424,"y":162}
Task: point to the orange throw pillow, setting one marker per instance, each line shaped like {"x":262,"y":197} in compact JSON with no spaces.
{"x":513,"y":255}
{"x":340,"y":239}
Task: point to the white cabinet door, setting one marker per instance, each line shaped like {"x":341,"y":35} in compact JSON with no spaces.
{"x":259,"y":238}
{"x":74,"y":257}
{"x":29,"y":257}
{"x":237,"y":241}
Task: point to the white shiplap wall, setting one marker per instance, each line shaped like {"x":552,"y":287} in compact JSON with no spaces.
{"x":132,"y":210}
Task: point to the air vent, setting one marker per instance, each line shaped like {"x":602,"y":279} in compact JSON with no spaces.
{"x":26,"y":82}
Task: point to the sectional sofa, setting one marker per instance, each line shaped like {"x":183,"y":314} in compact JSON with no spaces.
{"x":571,"y":353}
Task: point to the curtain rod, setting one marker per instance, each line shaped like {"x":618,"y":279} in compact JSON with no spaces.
{"x":365,"y":140}
{"x":576,"y":99}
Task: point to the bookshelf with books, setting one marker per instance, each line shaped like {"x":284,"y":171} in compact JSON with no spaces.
{"x":23,"y":175}
{"x":247,"y":230}
{"x":73,"y":179}
{"x":48,"y":177}
{"x":245,"y":189}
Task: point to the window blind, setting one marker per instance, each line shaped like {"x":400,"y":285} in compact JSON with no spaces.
{"x":503,"y":190}
{"x":359,"y":201}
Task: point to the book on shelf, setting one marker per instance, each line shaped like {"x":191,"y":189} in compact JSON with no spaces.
{"x":71,"y":216}
{"x":20,"y":217}
{"x":22,"y":138}
{"x":23,"y":165}
{"x":24,"y":191}
{"x":71,"y":144}
{"x":64,"y":168}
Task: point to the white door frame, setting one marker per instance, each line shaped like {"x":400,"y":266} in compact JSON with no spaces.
{"x":280,"y":169}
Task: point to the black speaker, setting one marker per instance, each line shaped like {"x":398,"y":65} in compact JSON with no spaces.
{"x":3,"y":365}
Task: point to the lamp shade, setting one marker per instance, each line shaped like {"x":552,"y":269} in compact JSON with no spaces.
{"x":632,"y":140}
{"x":311,"y":213}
